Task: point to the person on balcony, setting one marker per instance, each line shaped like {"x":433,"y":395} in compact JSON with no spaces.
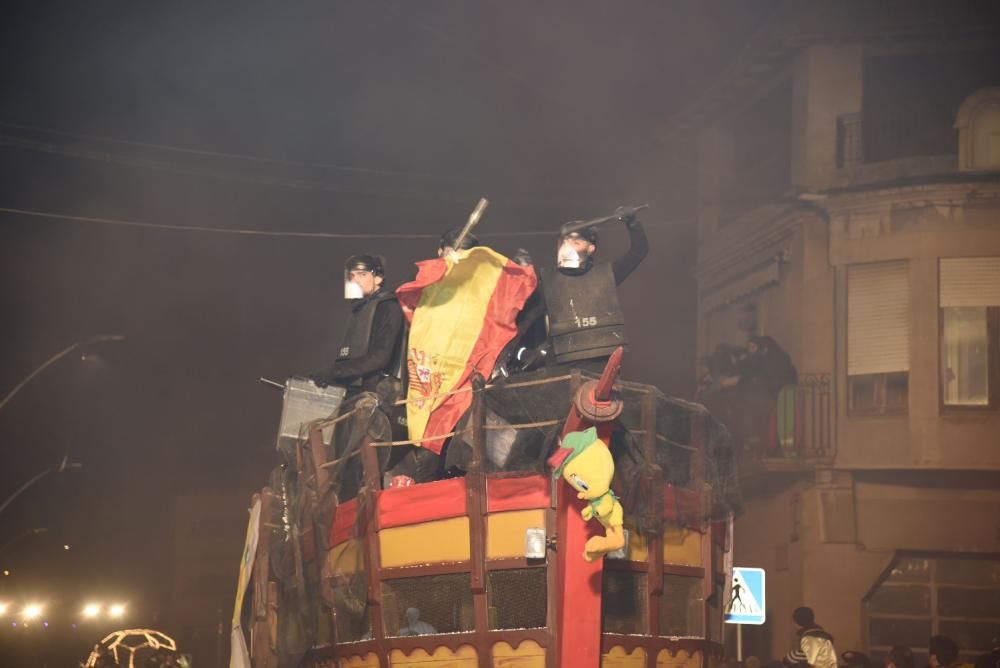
{"x":371,"y":344}
{"x":585,"y":320}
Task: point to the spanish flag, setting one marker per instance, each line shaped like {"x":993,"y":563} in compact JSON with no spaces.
{"x":461,"y":312}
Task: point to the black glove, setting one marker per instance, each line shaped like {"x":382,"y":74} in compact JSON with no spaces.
{"x":628,"y":215}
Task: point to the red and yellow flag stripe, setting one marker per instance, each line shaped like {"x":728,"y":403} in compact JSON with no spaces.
{"x":461,"y":312}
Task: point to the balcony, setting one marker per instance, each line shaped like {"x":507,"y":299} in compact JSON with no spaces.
{"x":790,"y":433}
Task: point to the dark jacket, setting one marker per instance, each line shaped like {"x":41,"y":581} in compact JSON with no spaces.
{"x":531,"y":321}
{"x":383,"y":349}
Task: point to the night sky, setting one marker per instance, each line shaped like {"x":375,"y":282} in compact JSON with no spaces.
{"x":334,"y":117}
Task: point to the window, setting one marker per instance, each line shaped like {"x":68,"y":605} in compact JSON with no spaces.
{"x":428,"y":605}
{"x":978,"y":124}
{"x":878,"y":338}
{"x":517,"y":598}
{"x":624,"y":603}
{"x":682,"y":607}
{"x":970,"y":330}
{"x":919,"y":597}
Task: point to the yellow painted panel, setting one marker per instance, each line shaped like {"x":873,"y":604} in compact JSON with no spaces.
{"x":665,"y":659}
{"x":618,"y":658}
{"x":426,"y":543}
{"x":638,"y":548}
{"x":346,"y":558}
{"x":528,"y":654}
{"x":369,"y":660}
{"x":464,"y":657}
{"x":681,"y":546}
{"x":505,"y":531}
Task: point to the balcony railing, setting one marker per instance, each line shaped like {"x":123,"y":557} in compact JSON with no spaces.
{"x":794,"y":429}
{"x":812,"y":433}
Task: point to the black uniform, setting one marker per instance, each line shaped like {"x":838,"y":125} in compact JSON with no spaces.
{"x":371,"y":344}
{"x":585,"y":319}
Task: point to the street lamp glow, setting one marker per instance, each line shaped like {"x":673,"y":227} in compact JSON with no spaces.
{"x":4,"y":607}
{"x":91,"y":610}
{"x":33,"y":611}
{"x":117,"y":610}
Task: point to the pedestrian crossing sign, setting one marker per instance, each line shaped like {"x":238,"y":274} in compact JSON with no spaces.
{"x":746,"y":603}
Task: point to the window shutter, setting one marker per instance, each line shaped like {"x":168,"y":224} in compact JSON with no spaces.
{"x":878,"y":318}
{"x":970,"y":281}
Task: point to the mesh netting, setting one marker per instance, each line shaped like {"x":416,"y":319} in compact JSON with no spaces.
{"x":368,"y":419}
{"x":428,"y":604}
{"x":624,"y":603}
{"x":351,"y":617}
{"x":517,"y":598}
{"x":682,"y":607}
{"x":523,"y":419}
{"x":523,"y":400}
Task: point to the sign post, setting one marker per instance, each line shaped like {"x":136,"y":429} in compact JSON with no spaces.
{"x":746,"y":602}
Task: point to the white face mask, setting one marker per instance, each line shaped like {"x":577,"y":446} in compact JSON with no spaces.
{"x":353,"y":291}
{"x":568,"y":258}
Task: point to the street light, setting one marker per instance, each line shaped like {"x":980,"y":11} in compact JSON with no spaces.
{"x":33,"y":611}
{"x":117,"y":610}
{"x":106,"y":338}
{"x":91,"y":610}
{"x":64,"y":465}
{"x":4,"y":607}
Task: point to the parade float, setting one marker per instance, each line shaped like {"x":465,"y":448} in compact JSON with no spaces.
{"x":488,"y":568}
{"x":572,"y":519}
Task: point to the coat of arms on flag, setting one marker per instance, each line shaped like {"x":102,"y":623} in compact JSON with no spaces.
{"x":461,"y":311}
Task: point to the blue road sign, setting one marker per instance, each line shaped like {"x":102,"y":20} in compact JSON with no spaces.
{"x":746,"y":600}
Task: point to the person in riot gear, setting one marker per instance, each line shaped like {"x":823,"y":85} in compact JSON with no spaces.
{"x":585,"y":320}
{"x":371,"y":344}
{"x":450,"y":238}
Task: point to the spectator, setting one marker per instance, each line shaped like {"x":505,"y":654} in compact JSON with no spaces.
{"x":720,"y":370}
{"x":769,"y":365}
{"x":899,"y":656}
{"x":415,"y":626}
{"x":942,"y":652}
{"x":854,"y":659}
{"x":992,"y":659}
{"x":815,"y":645}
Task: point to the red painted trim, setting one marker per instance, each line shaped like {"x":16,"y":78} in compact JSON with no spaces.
{"x":522,"y":493}
{"x":344,"y":525}
{"x":680,"y":504}
{"x":399,"y":506}
{"x":719,"y":534}
{"x":580,"y":582}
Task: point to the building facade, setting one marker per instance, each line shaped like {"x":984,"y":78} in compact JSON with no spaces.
{"x":850,"y":211}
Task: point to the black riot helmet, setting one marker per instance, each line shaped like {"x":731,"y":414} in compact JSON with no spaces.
{"x":449,"y":238}
{"x":372,"y":263}
{"x":588,"y":233}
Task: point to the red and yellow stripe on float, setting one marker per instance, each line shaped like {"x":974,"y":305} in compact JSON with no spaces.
{"x":461,"y":316}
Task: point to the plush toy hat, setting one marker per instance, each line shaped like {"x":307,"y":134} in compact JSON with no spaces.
{"x":573,"y":444}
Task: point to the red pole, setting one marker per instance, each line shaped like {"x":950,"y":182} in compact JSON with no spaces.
{"x":580,"y":581}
